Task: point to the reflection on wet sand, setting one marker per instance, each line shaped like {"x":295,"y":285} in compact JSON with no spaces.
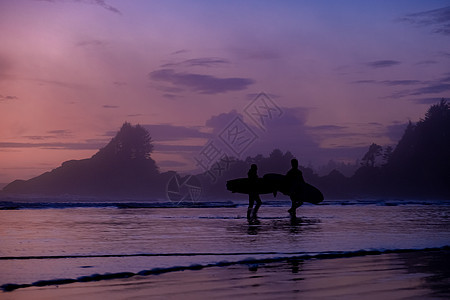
{"x":419,"y":275}
{"x":292,"y":225}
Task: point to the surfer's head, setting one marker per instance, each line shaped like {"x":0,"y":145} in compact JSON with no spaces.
{"x":254,"y":167}
{"x":294,"y":163}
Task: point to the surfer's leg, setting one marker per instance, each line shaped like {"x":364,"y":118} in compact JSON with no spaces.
{"x":298,"y":203}
{"x":258,"y":204}
{"x":292,"y":209}
{"x":250,"y":206}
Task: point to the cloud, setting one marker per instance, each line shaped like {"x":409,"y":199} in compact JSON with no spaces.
{"x":252,"y":96}
{"x":93,"y":43}
{"x":52,"y":134}
{"x":110,"y":133}
{"x":257,"y":54}
{"x":199,"y":62}
{"x":101,"y":3}
{"x":438,"y":19}
{"x":7,"y":98}
{"x":119,"y":83}
{"x":38,"y":137}
{"x":391,"y":82}
{"x":324,"y":132}
{"x":396,"y":131}
{"x":61,"y":146}
{"x":438,"y":86}
{"x":220,"y":121}
{"x":427,"y":62}
{"x":180,"y":52}
{"x":401,"y":82}
{"x":167,"y":132}
{"x":110,"y":106}
{"x":365,"y":81}
{"x":171,"y":96}
{"x":349,"y":135}
{"x":170,"y":89}
{"x":446,"y":78}
{"x":286,"y":132}
{"x":192,"y":149}
{"x":432,"y":89}
{"x":5,"y":66}
{"x":428,"y":101}
{"x":204,"y":84}
{"x":52,"y":140}
{"x":170,"y":164}
{"x":60,"y":132}
{"x":57,"y":83}
{"x":327,"y":128}
{"x":382,"y":63}
{"x":171,"y":140}
{"x":289,"y":132}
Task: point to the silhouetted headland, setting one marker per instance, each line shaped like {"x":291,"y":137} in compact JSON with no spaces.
{"x":122,"y":167}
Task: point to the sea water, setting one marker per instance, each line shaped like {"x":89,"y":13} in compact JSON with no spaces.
{"x":42,"y":243}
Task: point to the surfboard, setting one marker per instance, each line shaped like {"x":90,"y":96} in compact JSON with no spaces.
{"x":305,"y":193}
{"x":271,"y":183}
{"x":244,"y":186}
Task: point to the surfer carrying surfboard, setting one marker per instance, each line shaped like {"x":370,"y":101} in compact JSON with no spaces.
{"x":291,"y":184}
{"x":253,"y":195}
{"x":294,"y":181}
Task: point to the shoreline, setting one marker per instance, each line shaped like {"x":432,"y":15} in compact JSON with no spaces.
{"x":416,"y":273}
{"x":251,"y":263}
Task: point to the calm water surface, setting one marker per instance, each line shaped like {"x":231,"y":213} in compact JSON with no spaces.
{"x":44,"y":244}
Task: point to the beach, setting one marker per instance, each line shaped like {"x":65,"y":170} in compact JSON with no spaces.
{"x":415,"y":275}
{"x":342,"y":250}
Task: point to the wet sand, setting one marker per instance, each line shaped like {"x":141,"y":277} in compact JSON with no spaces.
{"x":415,"y":275}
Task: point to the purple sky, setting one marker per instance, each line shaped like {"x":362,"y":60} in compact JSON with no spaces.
{"x":342,"y":74}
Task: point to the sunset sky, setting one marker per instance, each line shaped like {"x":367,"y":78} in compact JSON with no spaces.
{"x":339,"y":76}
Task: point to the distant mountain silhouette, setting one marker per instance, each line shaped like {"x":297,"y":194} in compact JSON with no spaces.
{"x":122,"y":167}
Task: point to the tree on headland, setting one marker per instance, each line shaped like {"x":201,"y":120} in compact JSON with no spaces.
{"x":420,"y":163}
{"x":422,"y":155}
{"x":130,"y":143}
{"x":387,"y":153}
{"x":371,"y":155}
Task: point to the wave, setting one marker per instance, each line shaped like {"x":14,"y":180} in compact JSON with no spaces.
{"x":9,"y":205}
{"x":280,"y":257}
{"x":18,"y":204}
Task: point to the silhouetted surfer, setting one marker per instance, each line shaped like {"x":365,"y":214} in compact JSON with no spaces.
{"x":294,"y":182}
{"x":253,"y":196}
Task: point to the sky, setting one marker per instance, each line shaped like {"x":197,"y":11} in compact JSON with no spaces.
{"x":322,"y":79}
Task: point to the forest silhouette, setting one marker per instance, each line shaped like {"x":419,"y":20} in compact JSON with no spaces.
{"x":417,"y":167}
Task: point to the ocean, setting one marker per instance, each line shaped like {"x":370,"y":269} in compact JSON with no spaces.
{"x":48,"y":244}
